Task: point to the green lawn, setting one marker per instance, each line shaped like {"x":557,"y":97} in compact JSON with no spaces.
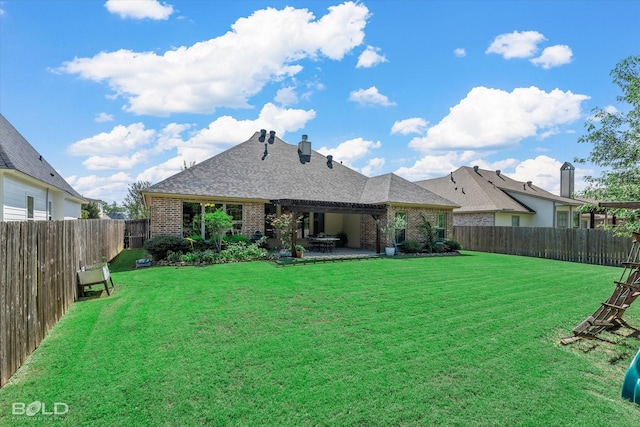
{"x":470,"y":340}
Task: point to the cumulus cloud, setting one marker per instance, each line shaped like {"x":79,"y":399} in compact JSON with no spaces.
{"x":544,"y":172}
{"x":493,"y":118}
{"x":519,"y":44}
{"x":370,"y":57}
{"x":139,"y":9}
{"x":460,"y":52}
{"x":370,"y":96}
{"x":103,"y":117}
{"x":407,"y":126}
{"x":373,"y":167}
{"x":350,"y":151}
{"x":437,"y":165}
{"x":107,"y":188}
{"x":287,"y":96}
{"x":553,"y":56}
{"x":223,"y":71}
{"x":121,"y":138}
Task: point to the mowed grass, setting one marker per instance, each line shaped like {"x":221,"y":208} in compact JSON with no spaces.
{"x":460,"y":341}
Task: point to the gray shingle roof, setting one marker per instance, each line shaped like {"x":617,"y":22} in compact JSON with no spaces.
{"x":239,"y":172}
{"x":16,"y":153}
{"x":488,"y":191}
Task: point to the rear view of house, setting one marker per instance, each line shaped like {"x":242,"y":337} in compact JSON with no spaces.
{"x":30,"y":188}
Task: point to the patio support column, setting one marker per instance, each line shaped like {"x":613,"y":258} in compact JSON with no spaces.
{"x":294,"y":233}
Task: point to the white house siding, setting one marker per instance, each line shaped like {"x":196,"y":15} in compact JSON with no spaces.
{"x":544,"y":209}
{"x":72,"y":210}
{"x":505,"y":219}
{"x":14,"y":204}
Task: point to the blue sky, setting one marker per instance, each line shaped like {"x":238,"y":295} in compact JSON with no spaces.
{"x":119,"y":91}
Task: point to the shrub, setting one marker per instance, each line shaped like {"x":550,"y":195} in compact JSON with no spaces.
{"x":453,"y":246}
{"x":160,"y":246}
{"x":174,"y":256}
{"x":237,"y":238}
{"x":411,"y":246}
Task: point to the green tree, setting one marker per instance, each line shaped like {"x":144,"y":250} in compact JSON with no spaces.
{"x":90,"y":211}
{"x":217,"y":224}
{"x":615,"y":136}
{"x":134,"y":202}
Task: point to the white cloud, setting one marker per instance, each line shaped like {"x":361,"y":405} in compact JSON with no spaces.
{"x":460,"y":52}
{"x":350,"y":151}
{"x":139,"y":9}
{"x":373,"y":166}
{"x":286,"y":96}
{"x":493,"y":118}
{"x":516,"y":45}
{"x":107,"y":188}
{"x":553,"y":56}
{"x":544,"y":172}
{"x":370,"y":57}
{"x":227,"y":70}
{"x":114,"y":162}
{"x":370,"y":96}
{"x":435,"y":166}
{"x":103,"y":117}
{"x":407,"y":126}
{"x":120,"y":139}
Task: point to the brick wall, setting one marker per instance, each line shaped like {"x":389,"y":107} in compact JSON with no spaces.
{"x":484,"y":219}
{"x":166,"y":216}
{"x":253,"y":219}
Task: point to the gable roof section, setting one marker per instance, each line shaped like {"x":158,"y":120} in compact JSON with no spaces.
{"x":17,"y":154}
{"x":240,"y":172}
{"x":391,"y":188}
{"x":488,"y":191}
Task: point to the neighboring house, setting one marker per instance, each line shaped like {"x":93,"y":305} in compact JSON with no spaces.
{"x":30,"y":188}
{"x":331,"y":197}
{"x":489,"y":198}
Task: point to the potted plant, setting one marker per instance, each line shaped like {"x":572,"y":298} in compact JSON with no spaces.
{"x":388,"y":229}
{"x":300,"y":251}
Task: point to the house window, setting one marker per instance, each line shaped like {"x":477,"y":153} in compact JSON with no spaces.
{"x":576,"y":219}
{"x":401,"y":233}
{"x":515,"y":221}
{"x":29,"y":207}
{"x":50,"y":213}
{"x":441,"y":227}
{"x":269,"y":209}
{"x":563,"y":219}
{"x":190,"y":225}
{"x":235,"y":212}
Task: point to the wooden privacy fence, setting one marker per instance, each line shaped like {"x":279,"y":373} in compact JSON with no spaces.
{"x":38,"y":283}
{"x":136,"y":232}
{"x":586,"y":245}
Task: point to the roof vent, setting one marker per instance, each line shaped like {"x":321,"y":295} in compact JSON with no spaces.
{"x":498,"y":172}
{"x":263,"y":133}
{"x":475,"y":168}
{"x":529,"y":183}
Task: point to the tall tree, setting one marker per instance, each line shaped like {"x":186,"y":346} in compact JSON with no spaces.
{"x":615,"y":136}
{"x":134,"y":203}
{"x":90,"y":211}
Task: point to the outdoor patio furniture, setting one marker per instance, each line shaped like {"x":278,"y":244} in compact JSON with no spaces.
{"x":94,"y":276}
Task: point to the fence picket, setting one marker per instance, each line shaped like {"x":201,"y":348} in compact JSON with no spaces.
{"x":38,"y":283}
{"x":589,"y":246}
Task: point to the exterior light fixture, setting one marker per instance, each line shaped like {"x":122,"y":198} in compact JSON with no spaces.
{"x":304,"y":150}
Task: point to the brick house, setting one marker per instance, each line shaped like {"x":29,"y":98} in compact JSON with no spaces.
{"x":332,"y":198}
